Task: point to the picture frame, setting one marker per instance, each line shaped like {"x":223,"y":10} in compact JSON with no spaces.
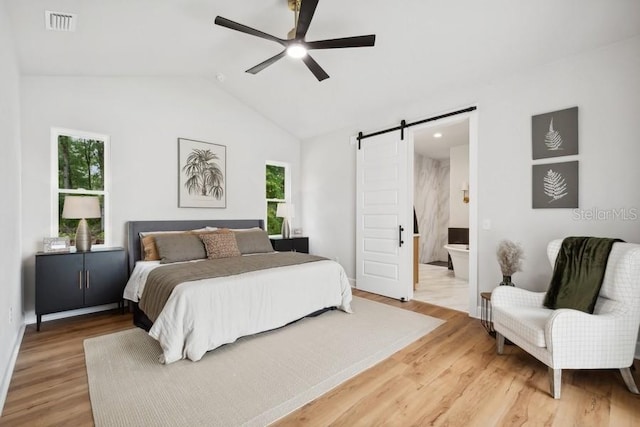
{"x":554,"y":134}
{"x":56,"y":244}
{"x":202,"y":181}
{"x":555,"y":185}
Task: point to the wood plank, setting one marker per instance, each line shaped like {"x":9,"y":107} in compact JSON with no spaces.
{"x":451,"y":376}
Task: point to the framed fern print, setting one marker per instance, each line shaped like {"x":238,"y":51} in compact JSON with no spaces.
{"x":555,"y":185}
{"x":202,"y":174}
{"x":555,"y":134}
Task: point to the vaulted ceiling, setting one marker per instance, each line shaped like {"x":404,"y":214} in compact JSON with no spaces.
{"x":422,"y":46}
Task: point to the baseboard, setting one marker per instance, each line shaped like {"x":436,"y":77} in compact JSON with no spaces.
{"x":352,"y":282}
{"x":476,"y":315}
{"x":6,"y":379}
{"x":30,"y":318}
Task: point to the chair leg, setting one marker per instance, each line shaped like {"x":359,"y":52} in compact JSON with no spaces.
{"x":500,"y":342}
{"x":555,"y":381}
{"x":629,"y":381}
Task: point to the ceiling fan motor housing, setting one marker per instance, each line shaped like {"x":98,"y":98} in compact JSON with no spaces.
{"x":294,"y":5}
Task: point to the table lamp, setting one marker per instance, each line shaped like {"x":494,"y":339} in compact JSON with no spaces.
{"x":286,"y":212}
{"x":82,"y":207}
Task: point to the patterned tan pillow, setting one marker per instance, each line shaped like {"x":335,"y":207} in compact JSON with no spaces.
{"x":220,"y":245}
{"x":222,"y":231}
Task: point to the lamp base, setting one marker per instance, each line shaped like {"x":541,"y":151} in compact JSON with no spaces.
{"x":83,"y":236}
{"x":286,"y":233}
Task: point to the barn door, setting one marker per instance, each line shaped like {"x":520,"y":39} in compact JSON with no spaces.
{"x":384,"y":215}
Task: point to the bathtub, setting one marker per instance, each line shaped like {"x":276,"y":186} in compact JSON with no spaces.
{"x":460,"y":259}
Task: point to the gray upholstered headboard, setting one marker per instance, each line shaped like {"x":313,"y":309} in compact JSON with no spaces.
{"x":134,"y":228}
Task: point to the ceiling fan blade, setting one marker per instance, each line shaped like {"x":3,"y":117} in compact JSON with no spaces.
{"x":315,"y":68}
{"x":224,"y":22}
{"x":358,"y":41}
{"x":307,"y":9}
{"x":261,"y":66}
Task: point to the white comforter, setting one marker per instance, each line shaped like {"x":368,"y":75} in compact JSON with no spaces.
{"x":204,"y":314}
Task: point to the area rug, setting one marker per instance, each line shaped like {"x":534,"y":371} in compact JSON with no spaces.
{"x":252,"y":382}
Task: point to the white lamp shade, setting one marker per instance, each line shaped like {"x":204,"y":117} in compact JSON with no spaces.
{"x":78,"y":207}
{"x":285,"y":210}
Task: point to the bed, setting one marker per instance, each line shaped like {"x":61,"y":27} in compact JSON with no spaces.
{"x":212,"y":302}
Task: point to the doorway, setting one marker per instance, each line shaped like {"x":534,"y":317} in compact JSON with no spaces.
{"x":445,"y":159}
{"x":384,"y":207}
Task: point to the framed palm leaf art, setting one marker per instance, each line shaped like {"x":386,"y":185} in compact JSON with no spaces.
{"x":202,"y":174}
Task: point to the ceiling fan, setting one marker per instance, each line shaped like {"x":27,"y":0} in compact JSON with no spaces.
{"x":295,"y":45}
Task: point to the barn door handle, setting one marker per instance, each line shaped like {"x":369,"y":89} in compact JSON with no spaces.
{"x":400,"y":230}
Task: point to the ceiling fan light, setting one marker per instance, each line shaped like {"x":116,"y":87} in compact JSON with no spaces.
{"x":296,"y":50}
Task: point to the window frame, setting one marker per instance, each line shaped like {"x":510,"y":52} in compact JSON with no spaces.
{"x":287,"y":190}
{"x":105,"y":192}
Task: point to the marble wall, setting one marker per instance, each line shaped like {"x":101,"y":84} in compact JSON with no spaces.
{"x":431,"y":201}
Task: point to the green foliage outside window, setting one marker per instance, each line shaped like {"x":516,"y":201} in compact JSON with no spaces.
{"x":274,"y":224}
{"x":80,"y":167}
{"x":275,"y":192}
{"x":275,"y":182}
{"x":80,"y":163}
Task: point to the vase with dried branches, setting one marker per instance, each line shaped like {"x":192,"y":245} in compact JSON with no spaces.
{"x":510,"y":256}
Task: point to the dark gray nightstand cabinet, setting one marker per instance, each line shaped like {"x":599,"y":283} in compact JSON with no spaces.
{"x":68,"y":281}
{"x":295,"y":244}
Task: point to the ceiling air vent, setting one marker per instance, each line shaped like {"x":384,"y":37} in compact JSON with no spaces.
{"x":60,"y":21}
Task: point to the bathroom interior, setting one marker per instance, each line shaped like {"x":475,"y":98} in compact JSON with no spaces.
{"x":441,"y":204}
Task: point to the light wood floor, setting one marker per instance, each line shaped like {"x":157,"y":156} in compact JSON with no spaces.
{"x":451,"y":377}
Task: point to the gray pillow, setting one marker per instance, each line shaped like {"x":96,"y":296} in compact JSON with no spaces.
{"x":253,"y":241}
{"x":179,"y":247}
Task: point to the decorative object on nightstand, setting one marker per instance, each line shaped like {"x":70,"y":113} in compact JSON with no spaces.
{"x":56,"y":244}
{"x":286,"y":212}
{"x":82,"y":207}
{"x":292,"y":244}
{"x":510,"y":256}
{"x":72,"y":280}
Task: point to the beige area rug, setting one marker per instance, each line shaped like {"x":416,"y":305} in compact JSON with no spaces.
{"x":255,"y":380}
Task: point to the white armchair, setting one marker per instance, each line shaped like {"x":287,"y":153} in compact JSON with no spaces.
{"x":571,"y":339}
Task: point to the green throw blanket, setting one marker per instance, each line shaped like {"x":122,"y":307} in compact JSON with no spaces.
{"x":578,"y":273}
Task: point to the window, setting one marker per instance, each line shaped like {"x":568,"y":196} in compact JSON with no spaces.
{"x":80,"y":167}
{"x":278,"y":188}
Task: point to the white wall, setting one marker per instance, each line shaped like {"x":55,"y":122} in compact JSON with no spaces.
{"x":328,"y":206}
{"x":458,"y":210}
{"x":10,"y":280}
{"x":144,"y":117}
{"x":604,"y":83}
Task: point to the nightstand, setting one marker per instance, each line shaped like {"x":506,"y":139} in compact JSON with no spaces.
{"x":292,"y":244}
{"x":72,"y":280}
